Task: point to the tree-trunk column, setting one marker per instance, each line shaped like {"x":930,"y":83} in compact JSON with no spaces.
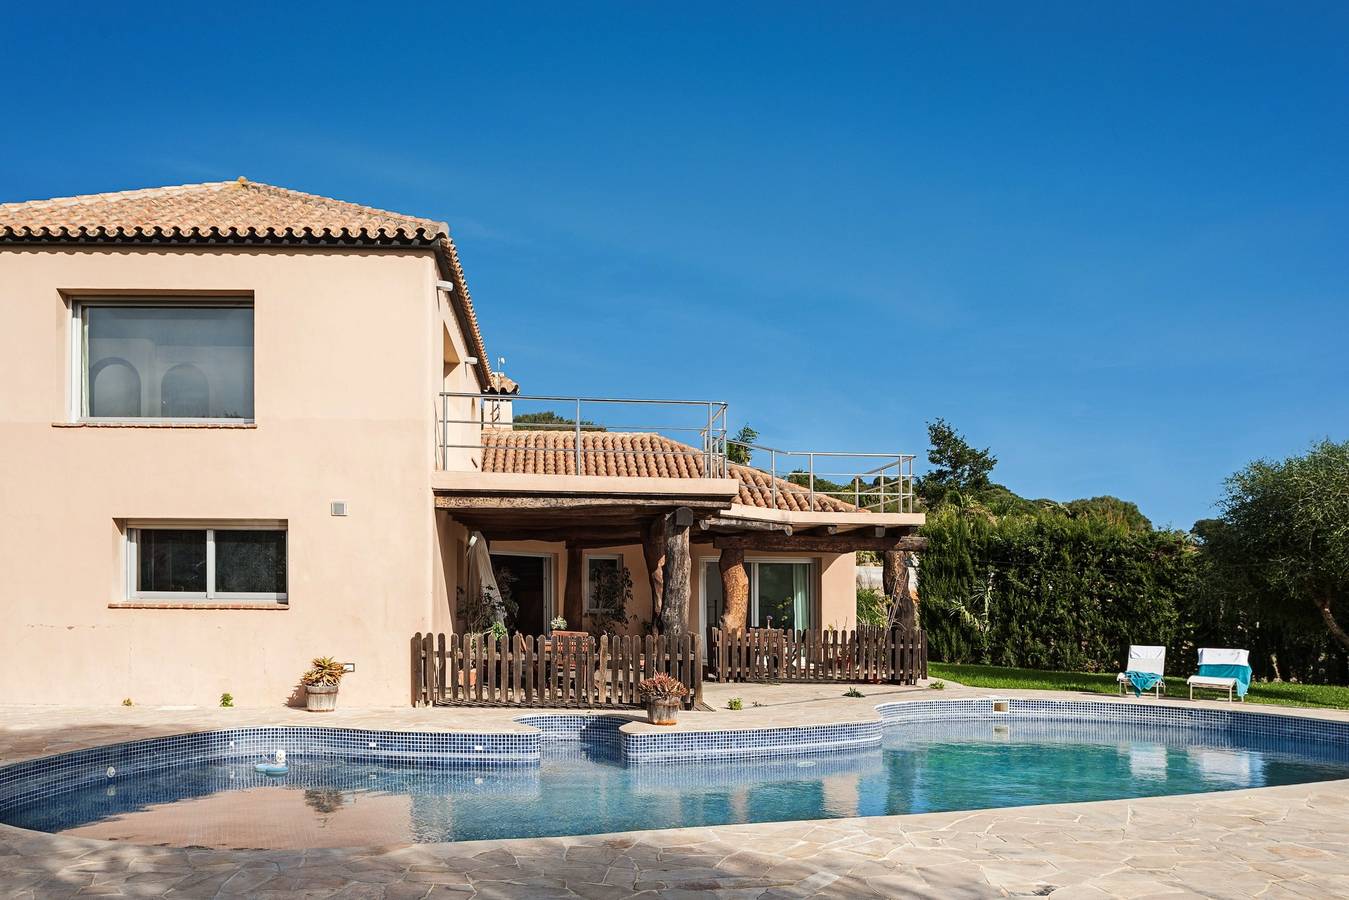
{"x":678,"y":569}
{"x":573,"y":605}
{"x":653,"y":550}
{"x":898,"y":592}
{"x":734,"y":591}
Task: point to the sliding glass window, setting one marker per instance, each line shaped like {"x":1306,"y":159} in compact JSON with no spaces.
{"x":208,"y":564}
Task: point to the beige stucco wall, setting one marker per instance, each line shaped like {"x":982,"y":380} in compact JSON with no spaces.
{"x":349,"y":351}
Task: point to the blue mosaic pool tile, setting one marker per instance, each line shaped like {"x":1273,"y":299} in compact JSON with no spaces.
{"x":68,"y":771}
{"x":594,"y":728}
{"x":647,"y":746}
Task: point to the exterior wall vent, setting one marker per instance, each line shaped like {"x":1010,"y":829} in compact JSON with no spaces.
{"x":338,"y":507}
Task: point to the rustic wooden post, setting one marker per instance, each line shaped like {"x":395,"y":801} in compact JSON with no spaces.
{"x":898,"y":593}
{"x":734,"y":590}
{"x":418,"y":694}
{"x":653,"y":550}
{"x":573,"y":604}
{"x":678,"y":572}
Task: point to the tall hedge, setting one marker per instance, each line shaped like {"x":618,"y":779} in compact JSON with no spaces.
{"x":1049,"y":591}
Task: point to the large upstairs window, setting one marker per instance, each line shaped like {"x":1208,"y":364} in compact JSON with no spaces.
{"x":164,"y":360}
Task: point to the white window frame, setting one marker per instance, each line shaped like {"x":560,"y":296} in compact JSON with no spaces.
{"x":210,"y":595}
{"x":585,"y":577}
{"x":79,"y":345}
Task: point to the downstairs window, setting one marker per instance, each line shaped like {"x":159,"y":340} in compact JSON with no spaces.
{"x":217,"y":563}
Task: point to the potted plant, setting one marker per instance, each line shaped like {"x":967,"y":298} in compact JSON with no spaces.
{"x":664,"y":694}
{"x":320,"y":684}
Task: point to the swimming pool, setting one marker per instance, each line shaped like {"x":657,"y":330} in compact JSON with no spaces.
{"x":950,"y":758}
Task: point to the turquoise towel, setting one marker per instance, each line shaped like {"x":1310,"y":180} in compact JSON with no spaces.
{"x":1142,"y":681}
{"x":1241,"y":673}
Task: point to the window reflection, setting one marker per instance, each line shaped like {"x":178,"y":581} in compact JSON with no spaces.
{"x":169,"y":361}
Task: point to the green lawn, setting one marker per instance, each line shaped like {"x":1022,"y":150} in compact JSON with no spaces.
{"x":1284,"y":694}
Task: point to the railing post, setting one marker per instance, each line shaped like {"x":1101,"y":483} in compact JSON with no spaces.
{"x":578,"y":436}
{"x":707,"y":444}
{"x":773,"y":466}
{"x":811,"y":458}
{"x":444,"y":431}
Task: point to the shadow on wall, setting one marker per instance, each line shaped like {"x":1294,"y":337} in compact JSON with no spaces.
{"x":296,"y":700}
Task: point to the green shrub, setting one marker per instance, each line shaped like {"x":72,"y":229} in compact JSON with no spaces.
{"x":871,"y":607}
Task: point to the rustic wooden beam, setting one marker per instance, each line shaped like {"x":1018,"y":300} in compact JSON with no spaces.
{"x":721,"y":523}
{"x":653,"y":551}
{"x":573,"y":604}
{"x":646,"y":504}
{"x":734,"y":590}
{"x":678,"y":573}
{"x":842,"y":543}
{"x":587,"y":537}
{"x":895,"y":583}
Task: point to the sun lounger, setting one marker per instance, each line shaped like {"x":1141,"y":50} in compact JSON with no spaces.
{"x":1222,"y":670}
{"x":1144,"y":670}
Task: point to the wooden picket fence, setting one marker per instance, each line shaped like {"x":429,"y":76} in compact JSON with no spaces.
{"x":867,"y":654}
{"x":576,"y":671}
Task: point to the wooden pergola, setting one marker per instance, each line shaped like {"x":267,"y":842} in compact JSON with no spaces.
{"x":665,"y":525}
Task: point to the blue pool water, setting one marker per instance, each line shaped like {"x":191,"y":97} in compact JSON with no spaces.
{"x":586,"y":789}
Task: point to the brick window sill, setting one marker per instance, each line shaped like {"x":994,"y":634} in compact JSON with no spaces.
{"x":168,"y":604}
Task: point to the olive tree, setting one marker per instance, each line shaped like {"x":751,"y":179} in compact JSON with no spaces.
{"x":1286,"y":528}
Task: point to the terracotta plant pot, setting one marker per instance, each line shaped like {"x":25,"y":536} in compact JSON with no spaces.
{"x":663,"y":710}
{"x":320,"y":697}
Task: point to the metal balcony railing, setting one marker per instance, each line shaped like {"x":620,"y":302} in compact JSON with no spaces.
{"x":472,"y":425}
{"x":876,"y":482}
{"x":696,"y":429}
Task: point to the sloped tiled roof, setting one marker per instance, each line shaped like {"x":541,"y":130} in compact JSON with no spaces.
{"x":635,"y":454}
{"x":237,"y":212}
{"x":221,"y":210}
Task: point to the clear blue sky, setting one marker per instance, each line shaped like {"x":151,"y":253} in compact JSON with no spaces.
{"x":1108,"y":240}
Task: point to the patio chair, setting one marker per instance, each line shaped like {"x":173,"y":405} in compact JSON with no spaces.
{"x":1144,"y":671}
{"x":1222,"y":669}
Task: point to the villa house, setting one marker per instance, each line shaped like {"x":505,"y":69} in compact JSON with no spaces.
{"x":244,"y":426}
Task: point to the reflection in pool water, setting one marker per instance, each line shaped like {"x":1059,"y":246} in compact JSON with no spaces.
{"x":586,"y":789}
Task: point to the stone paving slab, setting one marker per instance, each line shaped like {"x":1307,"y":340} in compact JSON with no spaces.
{"x":1290,"y":841}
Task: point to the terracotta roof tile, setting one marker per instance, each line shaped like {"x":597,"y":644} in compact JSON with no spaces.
{"x":219,"y":209}
{"x":238,"y":212}
{"x":501,"y":384}
{"x":639,"y":454}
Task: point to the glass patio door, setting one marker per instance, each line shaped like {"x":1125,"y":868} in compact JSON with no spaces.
{"x":781,"y":594}
{"x":780,"y":591}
